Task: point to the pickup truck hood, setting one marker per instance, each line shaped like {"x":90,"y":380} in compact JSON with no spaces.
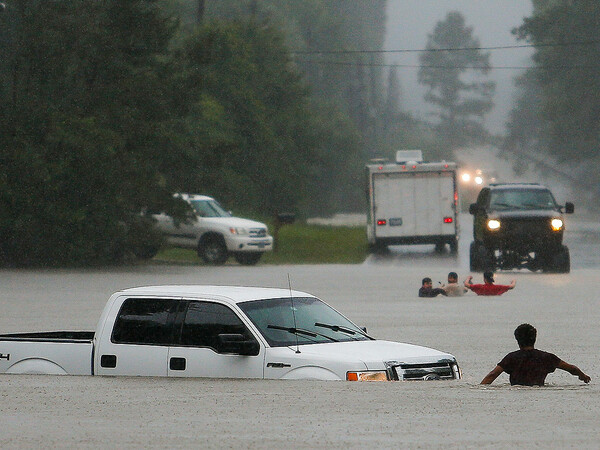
{"x":373,"y":353}
{"x":525,"y":214}
{"x":231,"y":222}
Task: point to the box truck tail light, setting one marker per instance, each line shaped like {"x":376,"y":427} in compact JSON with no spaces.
{"x":447,"y":219}
{"x":381,"y":222}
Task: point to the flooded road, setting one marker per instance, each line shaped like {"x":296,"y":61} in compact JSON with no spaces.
{"x":381,"y":294}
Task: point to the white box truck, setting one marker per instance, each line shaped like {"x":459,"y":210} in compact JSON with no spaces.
{"x":412,"y":202}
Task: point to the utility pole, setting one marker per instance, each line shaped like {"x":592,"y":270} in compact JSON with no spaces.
{"x":200,"y":12}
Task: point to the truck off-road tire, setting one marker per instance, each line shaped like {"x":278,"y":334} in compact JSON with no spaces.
{"x":481,"y":259}
{"x":473,"y":258}
{"x":247,"y":258}
{"x":561,"y":261}
{"x":212,"y":250}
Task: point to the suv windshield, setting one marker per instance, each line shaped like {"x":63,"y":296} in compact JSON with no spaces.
{"x":314,"y":322}
{"x":208,"y":208}
{"x":504,"y":199}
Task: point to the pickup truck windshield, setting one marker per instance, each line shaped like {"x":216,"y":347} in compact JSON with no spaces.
{"x":275,"y":320}
{"x":208,"y":208}
{"x":507,"y":199}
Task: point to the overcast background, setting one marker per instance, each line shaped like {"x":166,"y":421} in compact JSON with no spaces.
{"x":410,"y":22}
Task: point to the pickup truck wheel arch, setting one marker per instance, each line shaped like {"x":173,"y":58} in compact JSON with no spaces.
{"x":36,"y":366}
{"x":212,"y":249}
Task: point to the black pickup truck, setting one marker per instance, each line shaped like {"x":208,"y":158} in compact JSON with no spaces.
{"x":518,"y":225}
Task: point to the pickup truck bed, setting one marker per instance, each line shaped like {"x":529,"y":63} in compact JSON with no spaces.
{"x":52,"y":352}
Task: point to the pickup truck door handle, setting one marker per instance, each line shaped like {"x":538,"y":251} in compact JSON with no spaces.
{"x":177,"y":364}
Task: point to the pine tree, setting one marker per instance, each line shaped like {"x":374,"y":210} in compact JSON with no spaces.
{"x":452,"y":51}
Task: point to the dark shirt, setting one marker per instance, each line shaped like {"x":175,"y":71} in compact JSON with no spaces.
{"x":529,"y":367}
{"x":489,"y":289}
{"x":430,"y":292}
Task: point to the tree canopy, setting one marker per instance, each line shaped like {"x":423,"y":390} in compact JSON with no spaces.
{"x":567,"y":75}
{"x":107,"y":108}
{"x":461,"y":102}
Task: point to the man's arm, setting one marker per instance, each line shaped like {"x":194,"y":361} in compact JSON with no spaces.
{"x":467,"y":282}
{"x":490,"y":377}
{"x":574,"y":370}
{"x":512,"y":284}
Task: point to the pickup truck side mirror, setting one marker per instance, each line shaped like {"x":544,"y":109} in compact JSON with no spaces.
{"x":569,"y":208}
{"x":473,"y":208}
{"x":238,"y":344}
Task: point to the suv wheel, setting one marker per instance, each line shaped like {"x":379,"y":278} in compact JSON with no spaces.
{"x":212,"y":250}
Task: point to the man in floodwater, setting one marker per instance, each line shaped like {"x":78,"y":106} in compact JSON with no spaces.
{"x":488,"y":287}
{"x":453,"y":289}
{"x":529,"y":366}
{"x":427,"y":289}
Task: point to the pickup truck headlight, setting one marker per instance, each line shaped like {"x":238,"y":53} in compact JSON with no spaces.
{"x":556,"y":224}
{"x":379,"y":375}
{"x":493,"y":224}
{"x":238,"y":231}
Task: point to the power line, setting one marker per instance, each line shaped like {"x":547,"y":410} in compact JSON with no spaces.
{"x":449,"y":49}
{"x":419,"y":66}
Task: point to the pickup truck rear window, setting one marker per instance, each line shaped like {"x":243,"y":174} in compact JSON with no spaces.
{"x":144,"y":321}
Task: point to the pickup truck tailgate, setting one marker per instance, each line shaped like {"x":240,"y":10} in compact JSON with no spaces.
{"x":47,"y":353}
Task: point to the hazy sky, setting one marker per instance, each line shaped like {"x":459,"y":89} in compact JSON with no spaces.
{"x":410,"y":21}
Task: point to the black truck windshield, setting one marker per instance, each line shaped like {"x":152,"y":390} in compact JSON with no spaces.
{"x":275,"y":320}
{"x":506,"y":199}
{"x":208,"y":208}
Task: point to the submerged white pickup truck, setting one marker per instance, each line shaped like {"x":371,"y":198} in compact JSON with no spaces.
{"x":222,"y":332}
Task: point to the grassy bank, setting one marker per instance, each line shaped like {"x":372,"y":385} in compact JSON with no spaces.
{"x":298,"y":244}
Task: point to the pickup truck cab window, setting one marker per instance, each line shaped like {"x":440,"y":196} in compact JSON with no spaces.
{"x":205,"y":321}
{"x":208,"y":208}
{"x":145,"y":321}
{"x":305,"y":320}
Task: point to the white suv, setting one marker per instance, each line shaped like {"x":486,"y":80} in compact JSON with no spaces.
{"x":215,"y":233}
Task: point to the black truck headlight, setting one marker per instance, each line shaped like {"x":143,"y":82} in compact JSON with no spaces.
{"x":556,"y":224}
{"x":493,"y":225}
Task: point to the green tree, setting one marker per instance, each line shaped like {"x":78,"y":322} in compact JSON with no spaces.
{"x":565,"y":71}
{"x":461,"y":101}
{"x":85,"y":129}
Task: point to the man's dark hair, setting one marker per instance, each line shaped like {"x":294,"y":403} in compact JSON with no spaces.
{"x":453,"y":275}
{"x":426,"y":280}
{"x":488,"y":276}
{"x":525,"y":335}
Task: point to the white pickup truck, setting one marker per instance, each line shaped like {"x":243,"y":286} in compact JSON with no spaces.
{"x":222,"y":332}
{"x":214,"y":233}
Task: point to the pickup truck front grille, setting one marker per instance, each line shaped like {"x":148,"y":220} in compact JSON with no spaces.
{"x":442,"y":370}
{"x":258,"y":232}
